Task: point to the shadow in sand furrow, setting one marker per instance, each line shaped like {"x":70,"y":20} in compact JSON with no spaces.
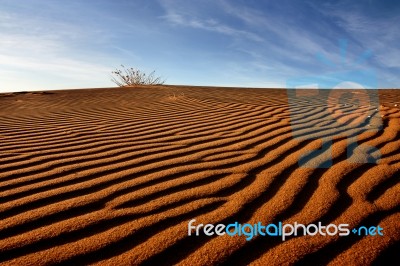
{"x":187,"y":245}
{"x":211,"y":128}
{"x":222,"y":156}
{"x":72,"y":212}
{"x":253,"y":172}
{"x":259,"y":246}
{"x":234,"y":126}
{"x":135,"y":126}
{"x":394,"y":162}
{"x":164,"y":109}
{"x":13,"y":157}
{"x":232,"y":189}
{"x":101,"y":226}
{"x":167,"y":124}
{"x":330,"y":132}
{"x":180,"y":187}
{"x":189,"y":115}
{"x":223,"y":192}
{"x":45,"y":141}
{"x":84,"y":113}
{"x":63,"y":173}
{"x":381,"y":188}
{"x":250,"y":207}
{"x":389,"y":256}
{"x":80,"y":114}
{"x":153,"y":182}
{"x":321,"y":112}
{"x":35,"y":133}
{"x":89,"y":190}
{"x":325,"y":254}
{"x":99,"y":186}
{"x":208,"y":130}
{"x":220,"y":106}
{"x":317,"y":115}
{"x":255,"y":248}
{"x":134,"y":239}
{"x":171,"y":123}
{"x":395,"y":152}
{"x":189,"y":104}
{"x":89,"y":176}
{"x":182,"y":109}
{"x":44,"y":120}
{"x":185,"y":116}
{"x":123,"y":127}
{"x":305,"y":115}
{"x":344,"y":200}
{"x":77,"y":143}
{"x":64,"y":237}
{"x":77,"y":138}
{"x":105,"y":172}
{"x":394,"y":140}
{"x":255,"y":143}
{"x":378,"y":133}
{"x":69,"y":159}
{"x":250,"y":251}
{"x":77,"y":211}
{"x":92,"y":157}
{"x":74,"y":145}
{"x":303,"y":197}
{"x":256,"y":124}
{"x":381,"y":145}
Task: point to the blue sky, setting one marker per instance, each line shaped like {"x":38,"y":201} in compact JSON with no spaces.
{"x":57,"y":44}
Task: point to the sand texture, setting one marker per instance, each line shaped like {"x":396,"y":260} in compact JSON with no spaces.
{"x":112,"y":176}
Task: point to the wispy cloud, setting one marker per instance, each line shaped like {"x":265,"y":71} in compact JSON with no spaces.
{"x":176,"y":16}
{"x":31,"y":46}
{"x":373,"y":32}
{"x":197,"y":42}
{"x":269,"y":44}
{"x":59,"y":66}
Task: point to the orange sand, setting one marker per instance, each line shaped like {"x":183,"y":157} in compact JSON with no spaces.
{"x":112,"y":177}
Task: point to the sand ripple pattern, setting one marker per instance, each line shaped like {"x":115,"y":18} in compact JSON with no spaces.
{"x":112,"y":177}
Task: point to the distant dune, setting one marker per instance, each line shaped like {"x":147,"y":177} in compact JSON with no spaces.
{"x":113,"y":176}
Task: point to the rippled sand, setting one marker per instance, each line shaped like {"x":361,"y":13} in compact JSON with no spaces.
{"x":112,"y":176}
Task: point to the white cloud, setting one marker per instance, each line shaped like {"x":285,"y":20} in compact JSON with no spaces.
{"x":185,"y":18}
{"x":301,"y":42}
{"x":379,"y":34}
{"x":57,"y":65}
{"x":33,"y":51}
{"x":376,"y":33}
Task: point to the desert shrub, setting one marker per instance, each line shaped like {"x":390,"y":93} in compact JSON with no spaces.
{"x":131,"y":76}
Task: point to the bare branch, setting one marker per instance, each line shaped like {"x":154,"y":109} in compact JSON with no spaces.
{"x":131,"y":76}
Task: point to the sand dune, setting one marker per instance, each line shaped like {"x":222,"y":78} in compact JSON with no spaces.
{"x":112,"y":176}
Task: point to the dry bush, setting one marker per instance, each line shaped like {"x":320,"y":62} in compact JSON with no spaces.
{"x":132,"y":76}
